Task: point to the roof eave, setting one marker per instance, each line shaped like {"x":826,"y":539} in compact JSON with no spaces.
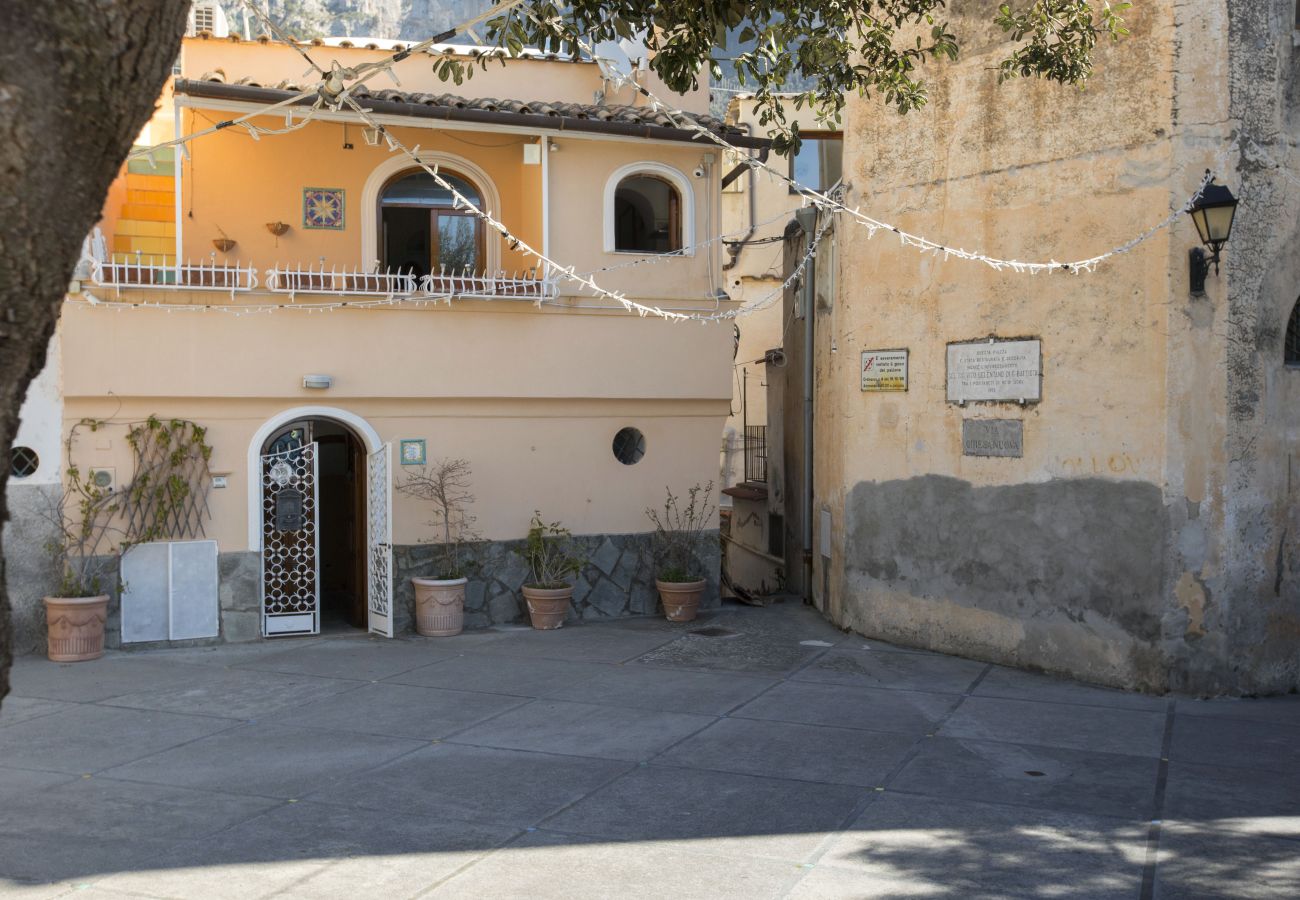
{"x":248,"y":94}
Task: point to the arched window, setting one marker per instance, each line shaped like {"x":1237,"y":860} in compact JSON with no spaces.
{"x":1292,"y":351}
{"x":421,"y":231}
{"x":647,"y":215}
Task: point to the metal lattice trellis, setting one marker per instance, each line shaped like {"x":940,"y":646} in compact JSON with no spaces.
{"x":168,"y":495}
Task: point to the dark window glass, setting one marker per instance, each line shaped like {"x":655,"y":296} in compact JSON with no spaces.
{"x":629,"y":446}
{"x":1292,"y":353}
{"x":819,"y":162}
{"x":23,"y":462}
{"x":647,"y":215}
{"x":423,"y":232}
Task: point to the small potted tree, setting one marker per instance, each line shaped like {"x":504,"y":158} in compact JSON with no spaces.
{"x":552,"y":561}
{"x":678,"y":537}
{"x":440,"y":600}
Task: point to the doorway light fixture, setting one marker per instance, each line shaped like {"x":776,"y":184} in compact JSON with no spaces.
{"x":318,"y":382}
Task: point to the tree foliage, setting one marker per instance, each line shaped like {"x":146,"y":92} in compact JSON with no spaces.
{"x":834,"y":47}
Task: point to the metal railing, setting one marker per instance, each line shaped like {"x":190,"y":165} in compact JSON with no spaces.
{"x":756,"y":453}
{"x":348,"y":281}
{"x":149,"y":272}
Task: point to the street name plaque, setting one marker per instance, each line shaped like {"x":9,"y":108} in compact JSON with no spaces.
{"x":995,"y":370}
{"x":992,"y":437}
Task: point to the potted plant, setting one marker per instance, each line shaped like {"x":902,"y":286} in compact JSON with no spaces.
{"x":94,"y":522}
{"x":678,"y":535}
{"x":440,"y":599}
{"x":549,"y":552}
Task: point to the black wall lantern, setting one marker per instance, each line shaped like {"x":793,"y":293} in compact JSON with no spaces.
{"x":1213,"y":213}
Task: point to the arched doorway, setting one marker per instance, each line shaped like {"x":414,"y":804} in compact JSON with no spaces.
{"x":423,"y":230}
{"x":323,"y":494}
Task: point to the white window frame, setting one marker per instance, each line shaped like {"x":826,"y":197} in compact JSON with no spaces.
{"x":673,"y":177}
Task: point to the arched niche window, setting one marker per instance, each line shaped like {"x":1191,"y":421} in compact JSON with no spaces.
{"x":647,"y":215}
{"x":649,"y":208}
{"x":421,"y":231}
{"x":1292,"y":350}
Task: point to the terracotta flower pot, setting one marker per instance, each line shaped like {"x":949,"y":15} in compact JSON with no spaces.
{"x":76,"y":627}
{"x":439,"y":606}
{"x":681,"y":599}
{"x":547,"y":607}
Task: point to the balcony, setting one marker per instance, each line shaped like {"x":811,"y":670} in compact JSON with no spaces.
{"x":138,"y":271}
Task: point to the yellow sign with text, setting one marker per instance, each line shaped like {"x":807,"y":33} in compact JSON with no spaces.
{"x":884,"y":370}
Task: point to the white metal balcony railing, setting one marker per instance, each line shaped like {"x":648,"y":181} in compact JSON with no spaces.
{"x":351,"y":282}
{"x":124,"y":271}
{"x":140,"y":271}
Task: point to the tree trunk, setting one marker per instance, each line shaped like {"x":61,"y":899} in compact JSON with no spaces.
{"x":78,"y":80}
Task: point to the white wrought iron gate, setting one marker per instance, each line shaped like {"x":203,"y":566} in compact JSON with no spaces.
{"x":290,"y":543}
{"x":379,"y":540}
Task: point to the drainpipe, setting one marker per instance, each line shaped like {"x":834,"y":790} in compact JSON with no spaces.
{"x":807,"y":218}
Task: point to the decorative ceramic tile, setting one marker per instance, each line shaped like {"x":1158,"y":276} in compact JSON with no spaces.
{"x":322,"y":208}
{"x":413,"y":452}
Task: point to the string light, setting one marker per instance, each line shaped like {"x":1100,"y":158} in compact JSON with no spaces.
{"x":336,"y":87}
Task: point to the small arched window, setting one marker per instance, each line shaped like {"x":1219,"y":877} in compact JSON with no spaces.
{"x":647,"y":215}
{"x":421,"y":230}
{"x":1291,"y":354}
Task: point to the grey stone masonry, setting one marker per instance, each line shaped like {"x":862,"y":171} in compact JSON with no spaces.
{"x":617,"y":580}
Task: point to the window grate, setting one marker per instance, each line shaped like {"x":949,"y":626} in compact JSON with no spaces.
{"x":23,"y":462}
{"x":1292,"y":352}
{"x":756,"y":453}
{"x":629,"y":446}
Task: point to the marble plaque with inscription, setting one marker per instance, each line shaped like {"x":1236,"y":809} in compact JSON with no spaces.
{"x":995,"y":370}
{"x":992,"y":437}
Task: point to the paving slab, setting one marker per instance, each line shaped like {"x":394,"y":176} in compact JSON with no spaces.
{"x":1285,"y":710}
{"x":1013,"y":684}
{"x":548,"y":866}
{"x":88,"y":738}
{"x":740,"y":652}
{"x":107,"y":809}
{"x":1097,"y":728}
{"x":16,"y":782}
{"x":783,"y":750}
{"x":20,"y":709}
{"x":475,"y":784}
{"x":1054,"y":778}
{"x":235,"y":693}
{"x":582,"y":643}
{"x":850,"y":706}
{"x":266,"y":760}
{"x":739,"y":814}
{"x":113,"y":674}
{"x":369,"y":659}
{"x":910,"y":846}
{"x":894,"y":671}
{"x":526,"y":677}
{"x":1196,"y":862}
{"x":1234,"y":799}
{"x":400,"y":710}
{"x":642,"y":687}
{"x":584,"y":729}
{"x":1248,"y":743}
{"x":345,"y":853}
{"x":38,"y":859}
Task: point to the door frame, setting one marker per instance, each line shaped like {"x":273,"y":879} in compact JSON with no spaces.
{"x":360,"y":427}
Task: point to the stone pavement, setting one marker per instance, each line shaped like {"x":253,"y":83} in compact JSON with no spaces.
{"x":753,"y":753}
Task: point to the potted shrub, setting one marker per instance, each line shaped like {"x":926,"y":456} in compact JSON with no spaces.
{"x":552,"y":560}
{"x":440,"y":599}
{"x":678,"y":536}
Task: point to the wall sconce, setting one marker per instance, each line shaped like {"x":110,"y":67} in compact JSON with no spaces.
{"x":1212,"y":214}
{"x":371,"y":136}
{"x":318,"y":382}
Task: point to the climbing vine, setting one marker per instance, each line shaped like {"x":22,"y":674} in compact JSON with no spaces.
{"x":97,"y":520}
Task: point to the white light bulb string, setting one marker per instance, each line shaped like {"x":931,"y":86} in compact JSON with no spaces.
{"x":357,"y":76}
